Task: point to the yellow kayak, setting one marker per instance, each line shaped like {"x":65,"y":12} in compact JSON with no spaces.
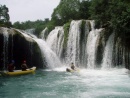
{"x":20,"y":72}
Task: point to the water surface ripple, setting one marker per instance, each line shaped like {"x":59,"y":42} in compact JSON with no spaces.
{"x":113,"y":83}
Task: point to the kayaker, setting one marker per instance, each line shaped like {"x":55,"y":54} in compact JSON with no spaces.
{"x":24,"y":66}
{"x":11,"y":66}
{"x":72,"y":66}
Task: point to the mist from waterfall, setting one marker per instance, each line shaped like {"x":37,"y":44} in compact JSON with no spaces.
{"x":107,"y":56}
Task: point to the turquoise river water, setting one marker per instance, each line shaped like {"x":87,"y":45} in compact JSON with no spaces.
{"x":112,"y":83}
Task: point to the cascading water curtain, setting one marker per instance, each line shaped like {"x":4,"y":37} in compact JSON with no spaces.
{"x":55,"y":40}
{"x":73,"y":44}
{"x":108,"y":52}
{"x":5,"y":48}
{"x":51,"y":58}
{"x":91,"y":45}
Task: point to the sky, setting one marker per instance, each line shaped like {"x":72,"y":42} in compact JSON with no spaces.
{"x":23,"y":10}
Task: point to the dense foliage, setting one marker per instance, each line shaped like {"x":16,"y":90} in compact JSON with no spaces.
{"x":70,"y":10}
{"x":112,"y":13}
{"x":4,"y":16}
{"x":38,"y":25}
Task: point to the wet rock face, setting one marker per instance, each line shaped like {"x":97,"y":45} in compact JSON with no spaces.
{"x":16,"y":46}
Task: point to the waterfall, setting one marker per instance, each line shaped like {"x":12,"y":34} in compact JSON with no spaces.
{"x":83,"y":40}
{"x":51,"y":58}
{"x":91,"y":45}
{"x":81,"y":45}
{"x":107,"y":56}
{"x":73,"y":45}
{"x":44,"y":33}
{"x":5,"y":48}
{"x":55,"y":40}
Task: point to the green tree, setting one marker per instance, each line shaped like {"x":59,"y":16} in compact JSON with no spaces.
{"x":84,"y":9}
{"x":99,"y":11}
{"x":120,"y":15}
{"x":114,"y":14}
{"x":4,"y":16}
{"x":65,"y":11}
{"x":38,"y":25}
{"x":17,"y":25}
